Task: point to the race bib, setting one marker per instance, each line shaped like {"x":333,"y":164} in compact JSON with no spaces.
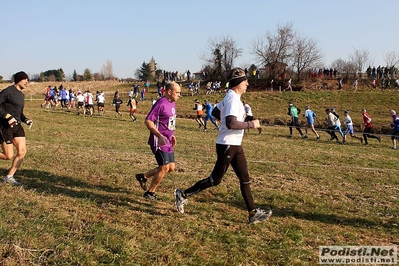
{"x":172,"y":123}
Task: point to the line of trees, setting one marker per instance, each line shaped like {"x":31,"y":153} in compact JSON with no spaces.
{"x":107,"y":73}
{"x":277,"y":52}
{"x":282,"y":50}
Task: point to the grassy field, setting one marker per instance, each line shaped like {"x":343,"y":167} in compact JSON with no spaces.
{"x":81,"y":205}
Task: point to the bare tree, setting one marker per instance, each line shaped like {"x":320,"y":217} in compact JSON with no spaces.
{"x":360,"y":58}
{"x":344,"y":67}
{"x":220,"y":55}
{"x":97,"y":76}
{"x":391,"y":58}
{"x":107,"y":71}
{"x":339,"y":64}
{"x":35,"y":77}
{"x":275,"y":50}
{"x":306,"y":54}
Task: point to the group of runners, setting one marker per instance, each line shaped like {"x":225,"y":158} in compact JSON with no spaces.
{"x":161,"y":123}
{"x":335,"y":126}
{"x":85,"y":102}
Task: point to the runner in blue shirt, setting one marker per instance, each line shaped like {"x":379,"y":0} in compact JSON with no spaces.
{"x":310,"y":115}
{"x":395,"y":128}
{"x":208,"y":112}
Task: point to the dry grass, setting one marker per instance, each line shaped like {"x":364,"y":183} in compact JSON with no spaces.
{"x":80,"y":203}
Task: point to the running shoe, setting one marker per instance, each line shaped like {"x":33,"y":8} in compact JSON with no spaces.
{"x":180,"y":201}
{"x":142,"y":180}
{"x":259,"y":216}
{"x":150,"y":195}
{"x":11,"y":180}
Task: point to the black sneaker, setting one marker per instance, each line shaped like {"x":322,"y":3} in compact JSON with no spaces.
{"x":150,"y":195}
{"x":142,"y":180}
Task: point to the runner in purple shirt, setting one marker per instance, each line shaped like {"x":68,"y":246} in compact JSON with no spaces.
{"x":161,"y":122}
{"x":163,"y":115}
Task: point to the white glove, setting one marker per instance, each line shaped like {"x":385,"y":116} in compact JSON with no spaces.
{"x":11,"y":120}
{"x":29,"y":123}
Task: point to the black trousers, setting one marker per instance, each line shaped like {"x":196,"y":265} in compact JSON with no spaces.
{"x":227,"y":155}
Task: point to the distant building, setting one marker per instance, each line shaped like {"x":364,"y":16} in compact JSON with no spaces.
{"x":197,"y":75}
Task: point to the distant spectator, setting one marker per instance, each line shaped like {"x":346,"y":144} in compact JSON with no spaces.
{"x":81,"y":101}
{"x":289,"y":85}
{"x":310,"y":115}
{"x":395,"y":128}
{"x":89,"y":98}
{"x":117,"y":102}
{"x":331,"y":120}
{"x":132,"y":103}
{"x":368,"y":127}
{"x":337,"y":123}
{"x":294,"y":112}
{"x":249,"y":116}
{"x":208,"y":115}
{"x":349,"y":128}
{"x":340,"y":84}
{"x":198,"y":109}
{"x":373,"y":84}
{"x":355,"y":83}
{"x":143,"y":92}
{"x":159,"y":89}
{"x":136,"y":90}
{"x":100,"y":103}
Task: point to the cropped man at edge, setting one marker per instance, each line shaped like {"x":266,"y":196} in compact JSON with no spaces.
{"x":11,"y":131}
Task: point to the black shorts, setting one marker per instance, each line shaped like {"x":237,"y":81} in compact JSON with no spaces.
{"x":394,"y":134}
{"x":80,"y":104}
{"x":100,"y":104}
{"x":164,"y":158}
{"x":9,"y":133}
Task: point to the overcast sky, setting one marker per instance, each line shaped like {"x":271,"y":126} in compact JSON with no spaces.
{"x":40,"y":35}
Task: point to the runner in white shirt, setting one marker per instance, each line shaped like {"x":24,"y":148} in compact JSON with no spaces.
{"x":81,"y":101}
{"x":89,"y":103}
{"x":100,"y":103}
{"x":349,"y":128}
{"x":229,"y":149}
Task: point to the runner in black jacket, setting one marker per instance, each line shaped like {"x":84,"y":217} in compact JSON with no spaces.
{"x":11,"y":131}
